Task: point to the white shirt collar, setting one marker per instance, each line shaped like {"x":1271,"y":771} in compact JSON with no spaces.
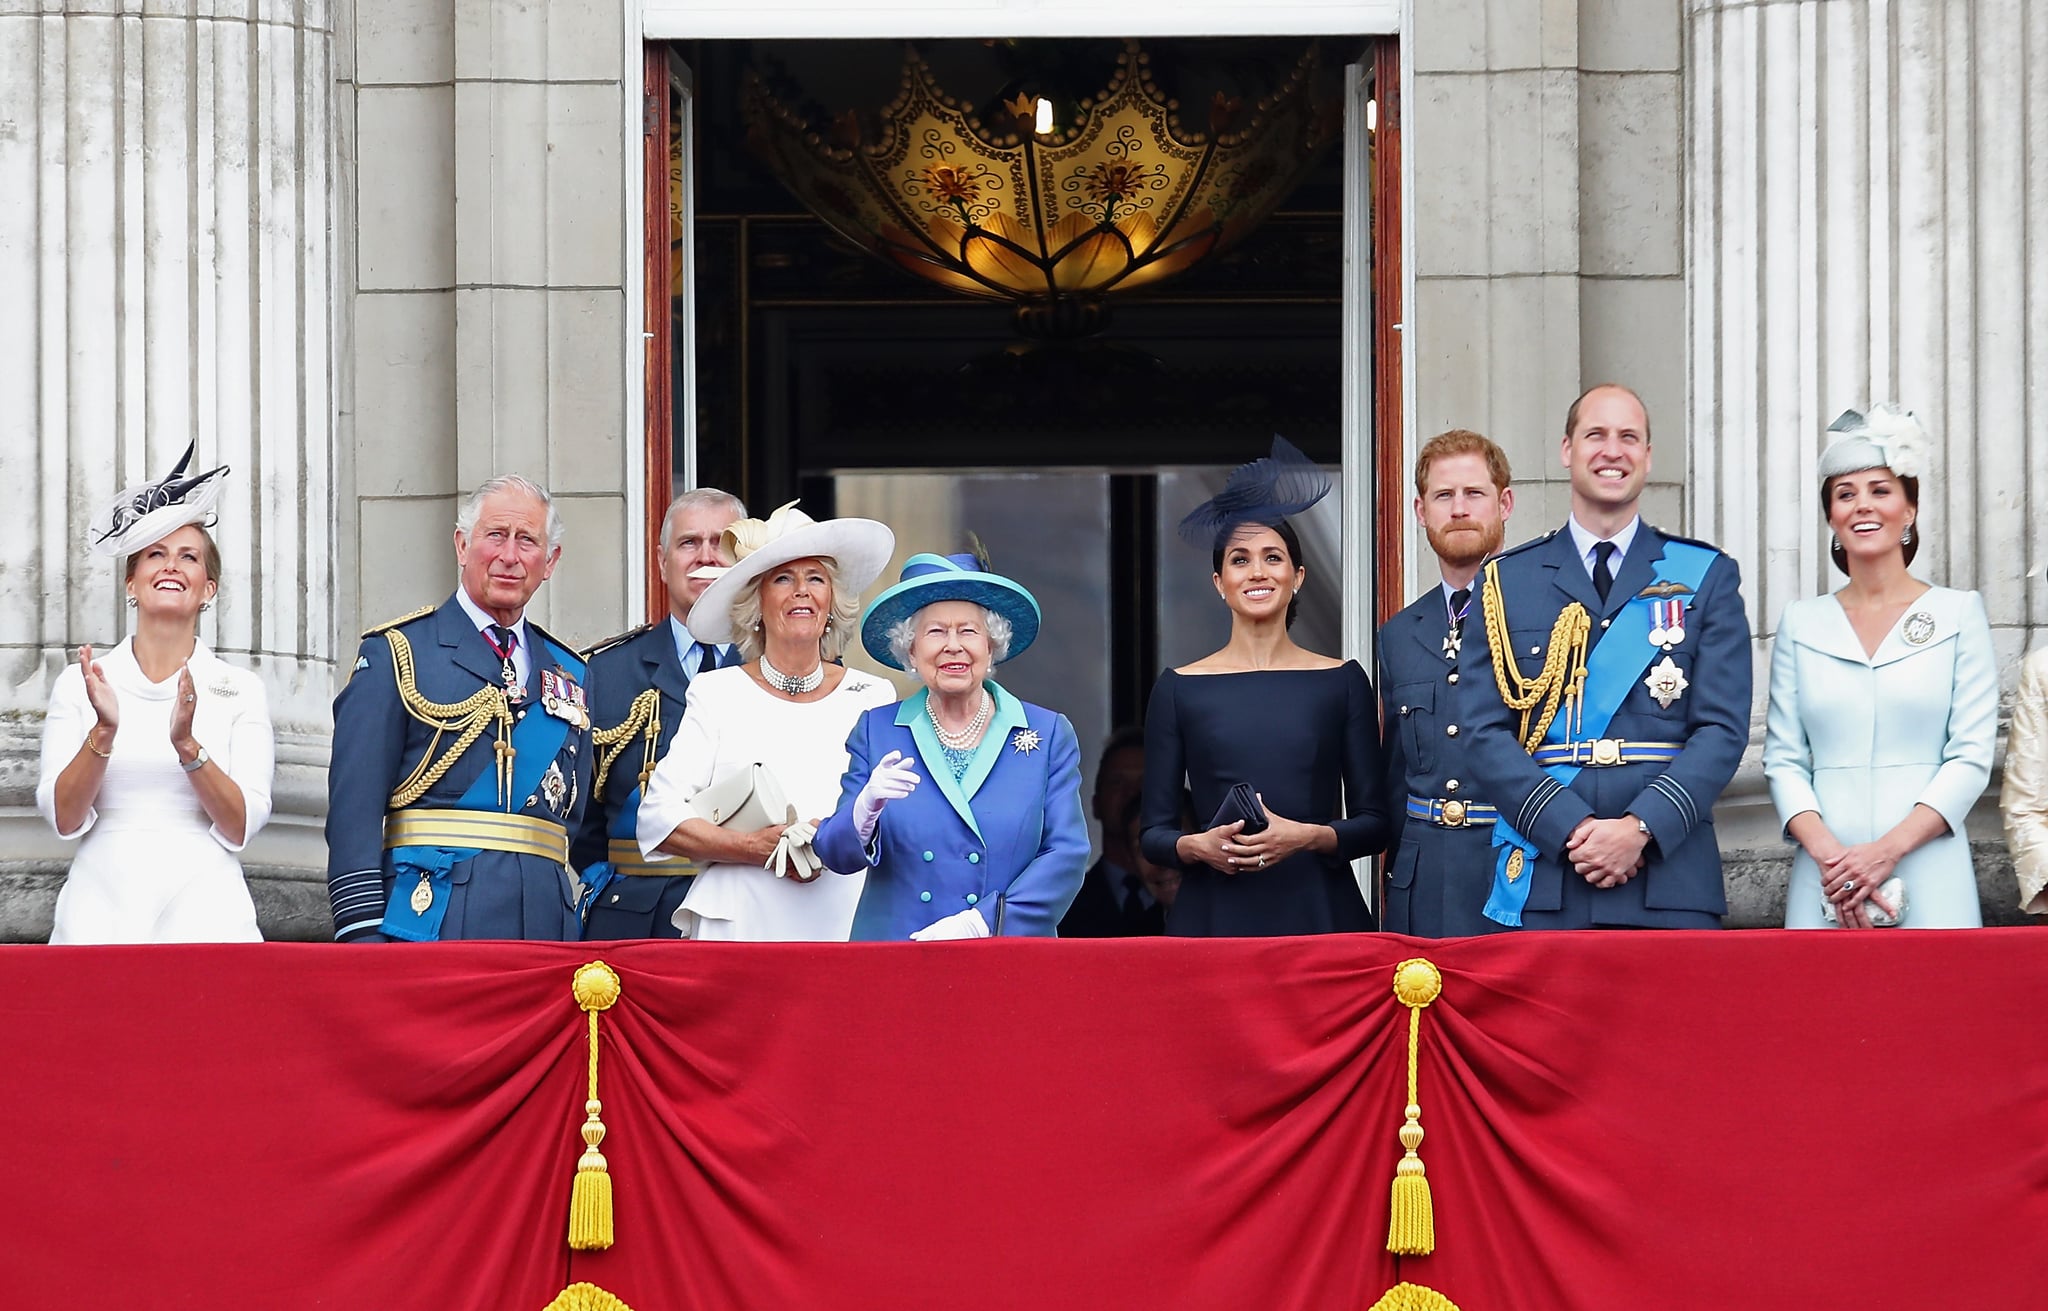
{"x":522,"y":661}
{"x":1585,"y":541}
{"x":680,"y":631}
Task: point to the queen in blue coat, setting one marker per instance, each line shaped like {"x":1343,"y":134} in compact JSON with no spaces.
{"x":962,"y":802}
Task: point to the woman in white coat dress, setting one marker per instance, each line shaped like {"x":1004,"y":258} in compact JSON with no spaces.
{"x":157,"y":754}
{"x":791,"y":599}
{"x":1884,"y":705}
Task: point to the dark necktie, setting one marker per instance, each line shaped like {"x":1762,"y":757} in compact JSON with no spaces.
{"x":1603,"y":569}
{"x":1134,"y":906}
{"x":502,"y":644}
{"x":1461,"y":601}
{"x":504,"y":641}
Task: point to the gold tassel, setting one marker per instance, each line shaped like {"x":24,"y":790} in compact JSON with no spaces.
{"x":1411,"y":1227}
{"x":590,"y":1195}
{"x":1413,"y":1297}
{"x":589,"y":1297}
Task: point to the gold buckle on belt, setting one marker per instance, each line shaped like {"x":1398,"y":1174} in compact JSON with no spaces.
{"x":1453,"y":814}
{"x":1606,"y":750}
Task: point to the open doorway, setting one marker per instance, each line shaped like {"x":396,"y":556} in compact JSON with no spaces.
{"x":784,"y":361}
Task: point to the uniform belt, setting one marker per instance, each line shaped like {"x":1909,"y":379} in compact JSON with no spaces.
{"x":1450,"y":814}
{"x":1602,"y":752}
{"x":624,"y":854}
{"x":522,"y":835}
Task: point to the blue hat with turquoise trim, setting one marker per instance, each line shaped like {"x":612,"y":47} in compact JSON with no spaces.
{"x":930,"y":578}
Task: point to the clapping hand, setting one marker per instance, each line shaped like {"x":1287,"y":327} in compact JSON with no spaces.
{"x":99,"y":691}
{"x":182,"y":706}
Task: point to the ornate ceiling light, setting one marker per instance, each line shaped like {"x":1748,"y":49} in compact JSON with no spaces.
{"x":1119,"y":196}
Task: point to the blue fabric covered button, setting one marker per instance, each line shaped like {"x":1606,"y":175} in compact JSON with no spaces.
{"x":924,"y":896}
{"x":974,"y":857}
{"x":927,"y":855}
{"x":971,"y":899}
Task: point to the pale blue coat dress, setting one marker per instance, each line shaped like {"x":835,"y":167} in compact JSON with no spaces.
{"x":1861,"y":739}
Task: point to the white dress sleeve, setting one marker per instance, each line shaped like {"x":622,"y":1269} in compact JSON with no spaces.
{"x":64,"y":727}
{"x":1972,"y":721}
{"x":250,"y":757}
{"x":684,"y":769}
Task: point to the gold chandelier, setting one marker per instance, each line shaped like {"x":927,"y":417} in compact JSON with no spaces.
{"x":1120,"y":196}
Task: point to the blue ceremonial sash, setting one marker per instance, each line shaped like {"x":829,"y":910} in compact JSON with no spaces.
{"x":1611,"y":673}
{"x":536,"y":740}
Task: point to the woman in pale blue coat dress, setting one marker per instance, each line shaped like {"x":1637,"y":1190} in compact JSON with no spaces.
{"x":1884,"y":706}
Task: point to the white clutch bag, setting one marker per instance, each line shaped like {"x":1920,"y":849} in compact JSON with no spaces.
{"x":749,"y":798}
{"x":1894,"y":891}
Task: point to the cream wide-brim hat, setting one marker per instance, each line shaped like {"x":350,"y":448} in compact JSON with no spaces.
{"x":858,"y":548}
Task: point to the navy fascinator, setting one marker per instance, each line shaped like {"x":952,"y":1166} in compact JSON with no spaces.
{"x":1276,"y":487}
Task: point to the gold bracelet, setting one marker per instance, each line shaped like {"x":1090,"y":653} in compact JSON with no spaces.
{"x":93,"y":747}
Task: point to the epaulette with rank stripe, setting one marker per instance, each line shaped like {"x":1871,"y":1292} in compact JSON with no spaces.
{"x":388,"y":624}
{"x":620,"y":640}
{"x":1538,"y":540}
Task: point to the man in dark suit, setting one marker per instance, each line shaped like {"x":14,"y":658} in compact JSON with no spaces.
{"x":1442,"y":868}
{"x":1122,"y":895}
{"x":461,"y":750}
{"x":1606,"y":696}
{"x":637,"y":685}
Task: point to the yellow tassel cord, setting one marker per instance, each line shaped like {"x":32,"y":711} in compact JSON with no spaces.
{"x":1411,"y":1227}
{"x":643,"y":717}
{"x":485,"y":708}
{"x":590,"y":1196}
{"x":1413,"y":1297}
{"x":1564,"y":663}
{"x":589,"y":1297}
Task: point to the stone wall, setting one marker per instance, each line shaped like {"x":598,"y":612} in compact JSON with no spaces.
{"x":164,"y":253}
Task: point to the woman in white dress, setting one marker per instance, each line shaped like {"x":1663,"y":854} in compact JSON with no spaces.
{"x":157,"y":755}
{"x":792,"y":602}
{"x":1884,"y":706}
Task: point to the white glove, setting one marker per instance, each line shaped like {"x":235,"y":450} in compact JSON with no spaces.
{"x":793,"y":857}
{"x":966,"y":924}
{"x":893,"y":778}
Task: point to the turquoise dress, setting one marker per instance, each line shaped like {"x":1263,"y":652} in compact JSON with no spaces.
{"x":1862,"y":739}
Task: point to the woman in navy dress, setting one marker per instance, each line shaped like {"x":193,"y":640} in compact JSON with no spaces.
{"x":1301,"y":728}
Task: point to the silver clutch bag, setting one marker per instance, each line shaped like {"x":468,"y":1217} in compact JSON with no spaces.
{"x":1894,"y":891}
{"x":749,"y":798}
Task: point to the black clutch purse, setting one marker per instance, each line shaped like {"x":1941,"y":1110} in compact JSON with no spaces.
{"x":1241,"y":803}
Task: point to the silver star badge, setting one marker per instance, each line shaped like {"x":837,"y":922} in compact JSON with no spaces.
{"x":1667,"y":682}
{"x":1026,"y":740}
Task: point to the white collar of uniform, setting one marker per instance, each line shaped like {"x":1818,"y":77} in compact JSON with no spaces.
{"x":483,"y":621}
{"x":1585,"y":541}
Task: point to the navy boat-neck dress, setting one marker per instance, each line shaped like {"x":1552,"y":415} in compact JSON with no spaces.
{"x":1309,"y":741}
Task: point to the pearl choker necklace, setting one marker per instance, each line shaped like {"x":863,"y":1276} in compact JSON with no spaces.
{"x":792,"y":684}
{"x":968,"y":736}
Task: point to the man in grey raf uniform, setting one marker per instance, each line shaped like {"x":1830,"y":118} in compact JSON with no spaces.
{"x":1606,"y":696}
{"x":638,"y":682}
{"x":461,"y":750}
{"x":1442,"y":869}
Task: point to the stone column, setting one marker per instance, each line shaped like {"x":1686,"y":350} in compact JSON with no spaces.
{"x":164,"y":249}
{"x":1863,"y":225}
{"x":1547,"y":234}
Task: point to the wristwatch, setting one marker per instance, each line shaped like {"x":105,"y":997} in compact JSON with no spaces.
{"x":196,"y":764}
{"x":1641,"y":827}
